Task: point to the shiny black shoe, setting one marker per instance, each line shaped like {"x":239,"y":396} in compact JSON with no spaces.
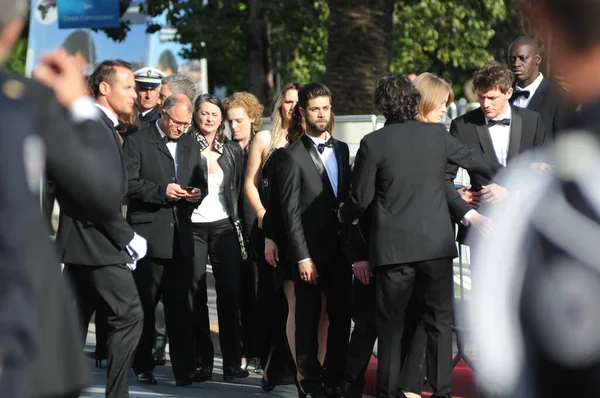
{"x":160,"y":361}
{"x":231,"y":373}
{"x":266,"y":386}
{"x":146,"y":378}
{"x":186,"y":379}
{"x":203,"y":374}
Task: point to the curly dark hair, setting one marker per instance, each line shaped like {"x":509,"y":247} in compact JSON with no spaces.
{"x":493,"y":75}
{"x":396,"y":98}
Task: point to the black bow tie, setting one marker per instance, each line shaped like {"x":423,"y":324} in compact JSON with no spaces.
{"x":503,"y":122}
{"x":327,"y":144}
{"x":520,"y":93}
{"x":169,"y":139}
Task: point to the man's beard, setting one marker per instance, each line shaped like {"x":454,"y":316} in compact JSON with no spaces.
{"x":313,"y":126}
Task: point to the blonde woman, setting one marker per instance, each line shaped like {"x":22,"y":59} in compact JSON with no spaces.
{"x":436,"y":97}
{"x":277,"y":331}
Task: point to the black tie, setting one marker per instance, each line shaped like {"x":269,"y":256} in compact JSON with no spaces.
{"x":503,"y":122}
{"x":169,"y":139}
{"x":520,"y":93}
{"x":327,"y":144}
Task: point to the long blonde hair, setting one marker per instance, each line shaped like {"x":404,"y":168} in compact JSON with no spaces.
{"x":277,"y":131}
{"x":433,"y":90}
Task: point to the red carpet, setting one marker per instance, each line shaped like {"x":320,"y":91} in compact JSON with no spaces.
{"x":463,"y":381}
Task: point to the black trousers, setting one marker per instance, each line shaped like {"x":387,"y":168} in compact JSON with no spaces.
{"x":219,"y":241}
{"x":171,"y":279}
{"x":364,"y":335}
{"x":335,"y":280}
{"x":112,"y":289}
{"x":248,"y":303}
{"x":432,"y":281}
{"x":160,"y":330}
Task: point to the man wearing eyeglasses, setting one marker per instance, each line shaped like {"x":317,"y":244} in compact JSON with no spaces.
{"x":165,"y":183}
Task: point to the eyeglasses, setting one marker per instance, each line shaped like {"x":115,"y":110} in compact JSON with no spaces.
{"x":177,"y":122}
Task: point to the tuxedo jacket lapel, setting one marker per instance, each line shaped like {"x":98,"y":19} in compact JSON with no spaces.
{"x":156,"y":138}
{"x":183,"y":155}
{"x":115,"y":136}
{"x":538,"y":96}
{"x":516,"y":129}
{"x":483,"y":133}
{"x":316,"y":159}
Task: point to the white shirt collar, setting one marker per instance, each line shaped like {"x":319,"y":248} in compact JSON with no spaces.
{"x":317,"y":141}
{"x":162,"y":133}
{"x":533,"y":86}
{"x":505,"y":115}
{"x":147,"y":112}
{"x":108,"y":113}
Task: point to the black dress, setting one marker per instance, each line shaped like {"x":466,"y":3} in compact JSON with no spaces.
{"x":272,"y":305}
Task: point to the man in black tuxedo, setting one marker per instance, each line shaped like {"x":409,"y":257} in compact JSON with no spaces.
{"x":533,"y":90}
{"x":166,"y":183}
{"x":313,"y":178}
{"x":411,"y":243}
{"x":549,"y":361}
{"x":99,"y":256}
{"x":500,"y":131}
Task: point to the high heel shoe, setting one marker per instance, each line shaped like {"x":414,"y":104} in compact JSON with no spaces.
{"x":266,"y":386}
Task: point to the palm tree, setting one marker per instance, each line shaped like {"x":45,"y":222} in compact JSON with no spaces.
{"x":358,"y":51}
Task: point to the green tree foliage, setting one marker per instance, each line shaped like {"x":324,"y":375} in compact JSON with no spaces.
{"x":16,"y":62}
{"x":298,"y":38}
{"x":218,"y":30}
{"x":447,"y":37}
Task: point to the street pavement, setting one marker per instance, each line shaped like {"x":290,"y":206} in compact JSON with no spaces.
{"x":242,"y":388}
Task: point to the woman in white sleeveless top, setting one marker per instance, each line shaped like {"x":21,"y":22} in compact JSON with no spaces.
{"x":218,"y":235}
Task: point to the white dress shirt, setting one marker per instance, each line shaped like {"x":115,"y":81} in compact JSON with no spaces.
{"x":523,"y":102}
{"x":171,"y":146}
{"x":329,"y":161}
{"x":500,"y":136}
{"x":330,"y":164}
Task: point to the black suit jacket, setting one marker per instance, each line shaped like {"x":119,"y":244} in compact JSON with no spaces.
{"x":527,"y":132}
{"x":150,"y":168}
{"x":308,"y":202}
{"x":400,"y":171}
{"x":83,"y":241}
{"x":78,"y":161}
{"x":550,"y":101}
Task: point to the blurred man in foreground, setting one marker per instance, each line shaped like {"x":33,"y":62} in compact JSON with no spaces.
{"x":535,"y":302}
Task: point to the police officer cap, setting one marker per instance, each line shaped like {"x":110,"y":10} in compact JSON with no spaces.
{"x":148,"y":78}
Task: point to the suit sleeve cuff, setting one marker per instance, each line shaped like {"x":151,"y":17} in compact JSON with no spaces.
{"x":467,"y":216}
{"x":83,"y":109}
{"x":303,"y":260}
